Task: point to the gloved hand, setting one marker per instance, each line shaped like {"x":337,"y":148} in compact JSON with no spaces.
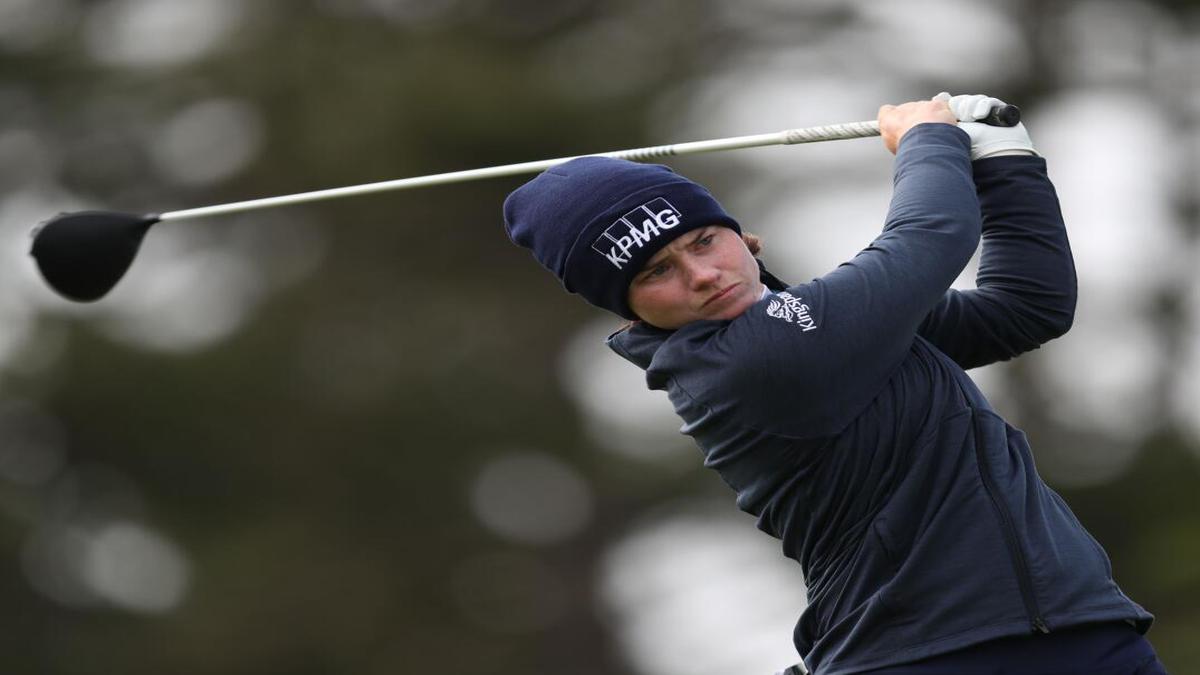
{"x":986,"y":140}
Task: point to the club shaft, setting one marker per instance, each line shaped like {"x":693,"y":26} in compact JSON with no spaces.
{"x":831,"y":132}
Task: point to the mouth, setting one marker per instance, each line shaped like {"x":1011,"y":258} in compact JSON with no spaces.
{"x":721,"y":294}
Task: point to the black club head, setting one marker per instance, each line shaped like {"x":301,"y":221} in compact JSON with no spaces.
{"x":82,"y":255}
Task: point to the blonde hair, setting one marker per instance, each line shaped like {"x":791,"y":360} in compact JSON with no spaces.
{"x":753,"y":242}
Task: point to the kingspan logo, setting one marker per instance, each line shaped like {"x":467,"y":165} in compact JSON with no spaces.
{"x":636,"y":229}
{"x":791,"y":309}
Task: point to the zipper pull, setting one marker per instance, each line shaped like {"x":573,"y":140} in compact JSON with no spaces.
{"x":1040,"y":626}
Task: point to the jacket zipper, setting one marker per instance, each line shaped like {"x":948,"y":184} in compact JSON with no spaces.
{"x":1024,"y":579}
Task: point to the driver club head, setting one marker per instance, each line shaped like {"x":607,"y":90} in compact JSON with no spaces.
{"x":83,"y":254}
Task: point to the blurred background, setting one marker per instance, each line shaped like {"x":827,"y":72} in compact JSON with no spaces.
{"x":371,"y":436}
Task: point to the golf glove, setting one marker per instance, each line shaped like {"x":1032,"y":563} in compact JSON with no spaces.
{"x":986,"y":140}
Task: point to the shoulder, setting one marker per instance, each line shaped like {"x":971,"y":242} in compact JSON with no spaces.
{"x":779,"y":323}
{"x":766,"y":367}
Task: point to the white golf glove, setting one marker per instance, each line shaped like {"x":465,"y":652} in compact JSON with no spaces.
{"x":986,"y":140}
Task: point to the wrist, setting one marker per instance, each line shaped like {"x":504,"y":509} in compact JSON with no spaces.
{"x":935,"y":133}
{"x":1011,"y":152}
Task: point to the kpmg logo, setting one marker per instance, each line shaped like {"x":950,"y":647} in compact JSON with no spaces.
{"x":636,"y":229}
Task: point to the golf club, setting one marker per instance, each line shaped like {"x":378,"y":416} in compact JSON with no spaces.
{"x":83,"y":254}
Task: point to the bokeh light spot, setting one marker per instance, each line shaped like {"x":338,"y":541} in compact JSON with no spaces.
{"x":133,"y":567}
{"x":141,"y":33}
{"x":531,"y":497}
{"x":208,"y":141}
{"x":696,"y":572}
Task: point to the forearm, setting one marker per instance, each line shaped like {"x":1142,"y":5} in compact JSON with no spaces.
{"x":1025,"y":289}
{"x":1026,"y":260}
{"x":933,"y":223}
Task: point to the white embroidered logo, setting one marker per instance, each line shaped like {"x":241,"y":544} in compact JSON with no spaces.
{"x":635,"y":229}
{"x":788,"y":307}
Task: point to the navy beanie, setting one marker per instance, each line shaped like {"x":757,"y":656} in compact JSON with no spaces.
{"x":595,"y":222}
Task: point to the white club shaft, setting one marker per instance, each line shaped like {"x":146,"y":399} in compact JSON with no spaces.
{"x":831,"y":132}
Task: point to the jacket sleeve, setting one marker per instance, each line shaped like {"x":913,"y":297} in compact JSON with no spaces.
{"x":807,"y":360}
{"x":1025,"y":288}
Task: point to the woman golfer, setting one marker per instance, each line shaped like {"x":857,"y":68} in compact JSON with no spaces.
{"x":839,"y":409}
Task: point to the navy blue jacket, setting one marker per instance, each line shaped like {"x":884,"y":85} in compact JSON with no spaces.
{"x":840,"y":412}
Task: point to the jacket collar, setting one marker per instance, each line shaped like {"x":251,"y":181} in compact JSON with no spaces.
{"x":638,"y":343}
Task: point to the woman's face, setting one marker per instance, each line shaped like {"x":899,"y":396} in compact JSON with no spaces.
{"x":707,"y":273}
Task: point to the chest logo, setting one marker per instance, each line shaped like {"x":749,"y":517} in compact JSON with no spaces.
{"x":787,"y":307}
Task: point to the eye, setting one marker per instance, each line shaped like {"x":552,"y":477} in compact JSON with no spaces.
{"x":706,"y":239}
{"x":657,"y":272}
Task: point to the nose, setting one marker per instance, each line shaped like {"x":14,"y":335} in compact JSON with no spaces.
{"x":702,"y":275}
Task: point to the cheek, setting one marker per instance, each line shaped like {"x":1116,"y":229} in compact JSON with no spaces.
{"x":752,"y":265}
{"x":657,"y":302}
{"x":652,"y":296}
{"x":743,"y":261}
